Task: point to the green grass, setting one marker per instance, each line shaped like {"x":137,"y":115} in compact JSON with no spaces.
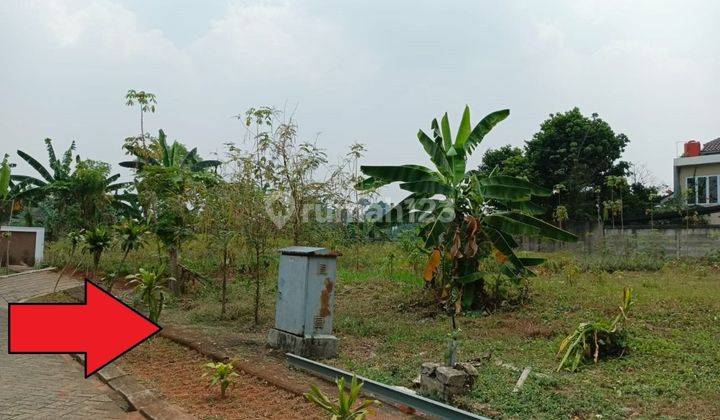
{"x":387,"y":327}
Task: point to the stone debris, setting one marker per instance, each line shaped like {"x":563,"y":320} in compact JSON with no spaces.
{"x":523,"y":377}
{"x":445,"y":382}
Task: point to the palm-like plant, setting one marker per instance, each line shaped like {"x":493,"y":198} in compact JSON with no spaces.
{"x":96,"y":241}
{"x":345,"y":408}
{"x":149,"y":289}
{"x":167,"y":179}
{"x":66,"y":183}
{"x":131,"y":235}
{"x":465,"y":216}
{"x":168,"y":156}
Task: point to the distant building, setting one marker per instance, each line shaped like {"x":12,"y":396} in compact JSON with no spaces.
{"x":697,"y":175}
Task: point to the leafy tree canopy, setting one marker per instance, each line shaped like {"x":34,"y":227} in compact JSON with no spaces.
{"x":506,"y":160}
{"x":579,"y":153}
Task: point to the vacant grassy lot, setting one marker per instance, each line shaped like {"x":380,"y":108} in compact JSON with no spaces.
{"x":388,"y":328}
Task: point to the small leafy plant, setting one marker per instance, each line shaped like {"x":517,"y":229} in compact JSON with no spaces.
{"x":221,"y":374}
{"x":149,"y":289}
{"x":96,"y":241}
{"x":343,"y":409}
{"x":593,"y":340}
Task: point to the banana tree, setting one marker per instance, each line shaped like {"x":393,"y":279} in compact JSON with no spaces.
{"x":168,"y":156}
{"x":67,"y":184}
{"x":466,"y":217}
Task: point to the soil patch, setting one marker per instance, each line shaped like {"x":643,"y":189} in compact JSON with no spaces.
{"x":176,"y":372}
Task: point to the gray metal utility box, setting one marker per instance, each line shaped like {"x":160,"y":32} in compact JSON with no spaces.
{"x":305,"y":297}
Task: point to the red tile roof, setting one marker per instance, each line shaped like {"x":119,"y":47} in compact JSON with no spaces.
{"x":712,"y":147}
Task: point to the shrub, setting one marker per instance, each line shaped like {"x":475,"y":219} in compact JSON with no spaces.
{"x":593,"y":340}
{"x":96,"y":241}
{"x":343,"y":409}
{"x":150,"y":289}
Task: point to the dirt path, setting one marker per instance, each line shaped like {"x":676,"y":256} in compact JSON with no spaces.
{"x":176,"y":372}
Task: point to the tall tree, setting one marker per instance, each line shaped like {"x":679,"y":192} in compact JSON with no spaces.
{"x":146,"y":102}
{"x":290,"y":164}
{"x":579,"y":153}
{"x":506,"y":160}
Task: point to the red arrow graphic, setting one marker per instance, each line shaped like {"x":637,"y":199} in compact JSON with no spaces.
{"x":103,"y":328}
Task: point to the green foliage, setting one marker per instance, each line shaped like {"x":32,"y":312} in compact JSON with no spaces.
{"x":674,"y":346}
{"x":221,"y":374}
{"x":593,"y":340}
{"x":145,"y":100}
{"x":161,"y":154}
{"x":76,"y":196}
{"x":5,"y":178}
{"x":477,"y":215}
{"x":506,"y":160}
{"x":345,"y":408}
{"x":286,"y":165}
{"x":171,"y":185}
{"x":149,"y":289}
{"x":578,"y":152}
{"x":95,"y":242}
{"x":611,"y":262}
{"x":560,"y":215}
{"x":411,"y":246}
{"x":131,"y":235}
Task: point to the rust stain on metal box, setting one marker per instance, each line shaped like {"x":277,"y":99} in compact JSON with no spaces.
{"x":325,"y":298}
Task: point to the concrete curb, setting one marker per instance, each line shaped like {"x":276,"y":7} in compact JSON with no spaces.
{"x":212,"y":352}
{"x":216,"y":355}
{"x":139,"y":398}
{"x":39,"y":270}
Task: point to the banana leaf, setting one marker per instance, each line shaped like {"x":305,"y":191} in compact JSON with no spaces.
{"x":403,"y":173}
{"x":499,"y":242}
{"x":504,"y":193}
{"x":446,"y":135}
{"x":511,"y":226}
{"x":531,"y":262}
{"x":484,"y":127}
{"x":436,"y":153}
{"x":546,"y":229}
{"x":428,"y":187}
{"x":370,"y":184}
{"x":464,"y":130}
{"x":471,"y":278}
{"x":513,"y":182}
{"x":526,"y":207}
{"x":36,"y":165}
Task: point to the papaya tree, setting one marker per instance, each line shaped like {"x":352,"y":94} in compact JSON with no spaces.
{"x":466,"y":217}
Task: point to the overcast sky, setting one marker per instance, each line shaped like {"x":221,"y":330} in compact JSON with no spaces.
{"x":368,"y":71}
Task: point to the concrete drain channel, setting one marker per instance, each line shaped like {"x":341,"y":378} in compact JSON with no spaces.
{"x":381,"y":391}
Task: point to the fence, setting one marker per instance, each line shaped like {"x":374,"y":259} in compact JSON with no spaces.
{"x":671,"y":242}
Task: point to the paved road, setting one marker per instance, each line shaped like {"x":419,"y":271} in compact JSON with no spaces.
{"x":46,"y":386}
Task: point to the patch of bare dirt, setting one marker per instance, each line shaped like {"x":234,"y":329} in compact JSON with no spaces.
{"x":176,"y":372}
